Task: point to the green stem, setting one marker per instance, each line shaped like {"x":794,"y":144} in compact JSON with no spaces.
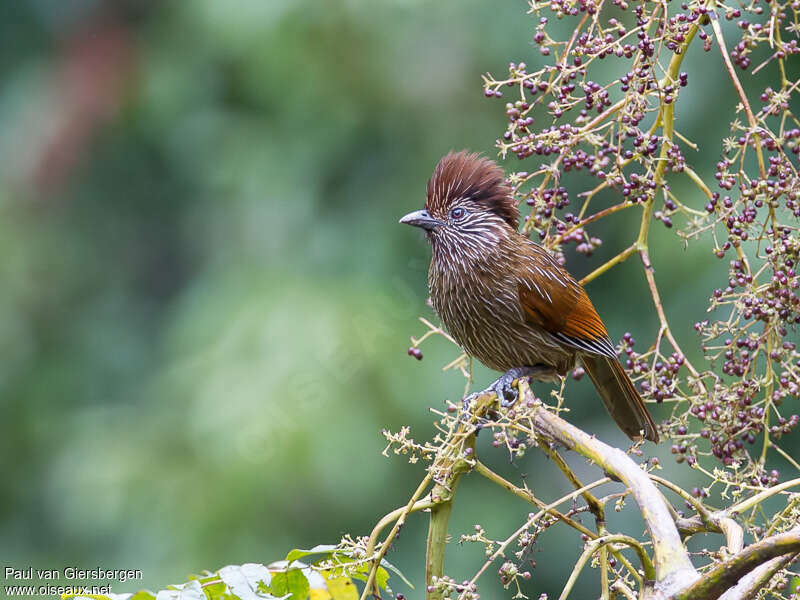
{"x":437,"y":539}
{"x":456,"y":460}
{"x":392,"y":517}
{"x":668,"y":128}
{"x":376,"y":561}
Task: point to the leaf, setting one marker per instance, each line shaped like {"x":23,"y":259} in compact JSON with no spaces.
{"x":248,"y":581}
{"x":341,"y":588}
{"x":320,"y":549}
{"x":216,"y":589}
{"x":381,"y":577}
{"x":319,"y":587}
{"x":290,"y":582}
{"x":187,"y":591}
{"x":397,"y":572}
{"x":315,"y":580}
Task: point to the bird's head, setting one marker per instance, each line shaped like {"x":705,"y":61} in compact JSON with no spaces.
{"x":468,"y":206}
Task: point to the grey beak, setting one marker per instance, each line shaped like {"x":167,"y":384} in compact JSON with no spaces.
{"x":421,"y":218}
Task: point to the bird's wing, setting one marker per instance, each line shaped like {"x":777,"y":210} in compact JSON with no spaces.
{"x":553,"y":300}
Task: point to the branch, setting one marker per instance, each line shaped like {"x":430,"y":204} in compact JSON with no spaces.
{"x":726,"y":574}
{"x":749,"y":585}
{"x":456,"y":458}
{"x":620,"y":588}
{"x":437,"y":538}
{"x":718,"y":522}
{"x":672,"y":565}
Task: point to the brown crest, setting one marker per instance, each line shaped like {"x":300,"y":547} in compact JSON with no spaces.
{"x":467,"y":176}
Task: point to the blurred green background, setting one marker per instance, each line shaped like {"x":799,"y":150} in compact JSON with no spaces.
{"x":206,"y":297}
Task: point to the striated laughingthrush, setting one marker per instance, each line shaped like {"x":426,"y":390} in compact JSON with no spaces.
{"x":506,"y":300}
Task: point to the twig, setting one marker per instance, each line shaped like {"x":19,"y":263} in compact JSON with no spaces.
{"x":592,"y":218}
{"x":393,"y":516}
{"x":597,"y":508}
{"x":739,"y":89}
{"x":595,"y":545}
{"x":499,"y":552}
{"x":526,"y":495}
{"x":704,"y":513}
{"x":662,"y":318}
{"x":621,"y":257}
{"x":385,"y":547}
{"x":749,"y":503}
{"x":713,"y":521}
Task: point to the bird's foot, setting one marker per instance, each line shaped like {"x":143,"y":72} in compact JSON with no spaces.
{"x":504,"y":387}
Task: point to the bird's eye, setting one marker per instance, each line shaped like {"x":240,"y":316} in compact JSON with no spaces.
{"x":457,"y":213}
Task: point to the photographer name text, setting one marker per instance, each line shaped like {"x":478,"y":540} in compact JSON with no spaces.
{"x":71,"y":573}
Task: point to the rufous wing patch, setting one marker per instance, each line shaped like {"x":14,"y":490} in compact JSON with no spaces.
{"x":583,"y":321}
{"x":562,"y":309}
{"x":549,"y":308}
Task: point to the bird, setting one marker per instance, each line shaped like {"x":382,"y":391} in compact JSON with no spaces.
{"x":506,"y":300}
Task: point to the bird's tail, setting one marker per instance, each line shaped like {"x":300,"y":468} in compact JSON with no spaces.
{"x":620,"y":397}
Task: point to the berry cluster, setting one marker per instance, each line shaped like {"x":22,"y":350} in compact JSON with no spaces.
{"x":565,"y":119}
{"x":659,"y":375}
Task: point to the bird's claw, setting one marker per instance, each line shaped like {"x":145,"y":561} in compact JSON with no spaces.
{"x":466,"y":401}
{"x":504,"y":388}
{"x":506,"y":392}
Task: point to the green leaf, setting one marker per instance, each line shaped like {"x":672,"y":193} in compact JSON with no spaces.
{"x":217,"y":590}
{"x":290,"y":582}
{"x":320,"y":549}
{"x":381,"y":575}
{"x":248,"y":581}
{"x":397,"y":572}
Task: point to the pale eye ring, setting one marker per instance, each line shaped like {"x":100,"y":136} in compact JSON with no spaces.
{"x":458,"y":213}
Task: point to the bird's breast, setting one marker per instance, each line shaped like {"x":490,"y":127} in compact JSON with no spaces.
{"x":481,"y":309}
